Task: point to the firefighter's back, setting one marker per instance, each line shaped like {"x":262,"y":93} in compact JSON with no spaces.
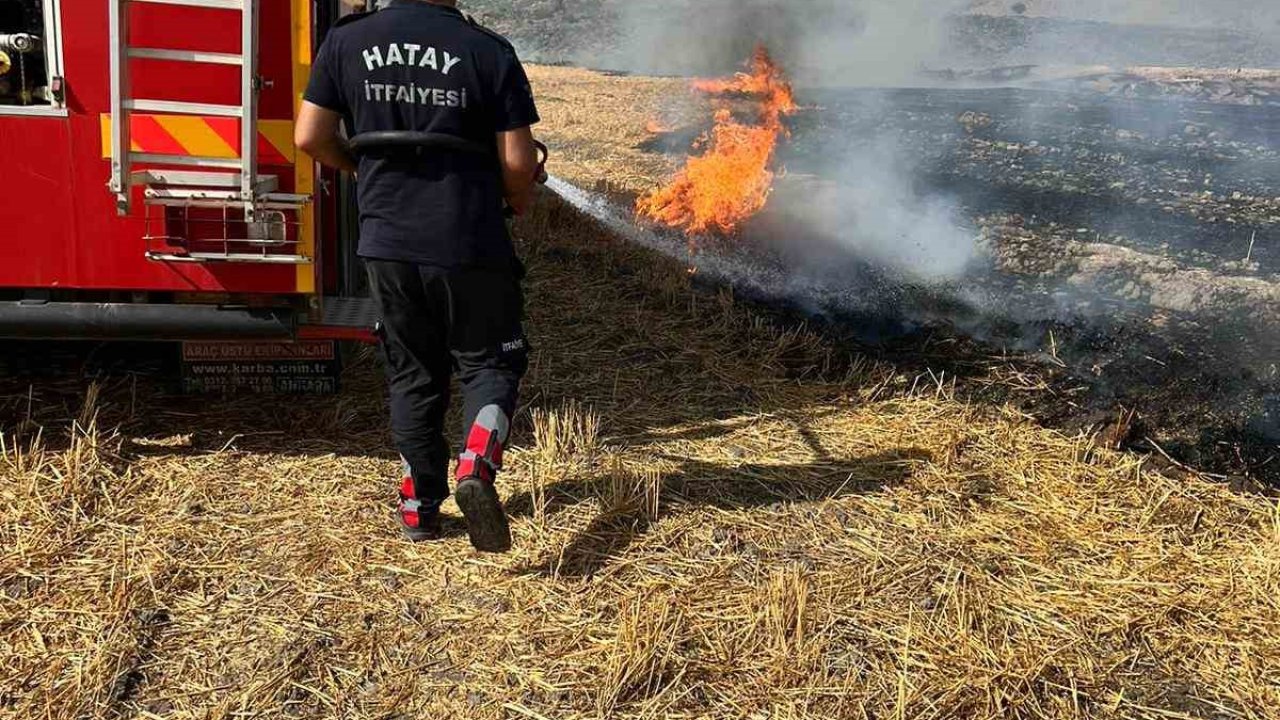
{"x":423,"y":67}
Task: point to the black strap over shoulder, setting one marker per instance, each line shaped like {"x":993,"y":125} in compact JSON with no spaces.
{"x":353,"y":17}
{"x":384,"y":140}
{"x":491,"y":33}
{"x":418,"y":143}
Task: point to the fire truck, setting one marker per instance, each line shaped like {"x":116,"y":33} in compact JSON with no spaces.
{"x":149,"y":187}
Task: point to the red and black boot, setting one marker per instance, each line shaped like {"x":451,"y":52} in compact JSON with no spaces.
{"x":419,"y":519}
{"x":477,"y":468}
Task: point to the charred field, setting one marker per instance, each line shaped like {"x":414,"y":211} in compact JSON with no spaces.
{"x":1130,"y":242}
{"x":1123,"y":245}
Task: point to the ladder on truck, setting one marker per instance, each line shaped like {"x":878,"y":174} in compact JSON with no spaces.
{"x":230,"y":184}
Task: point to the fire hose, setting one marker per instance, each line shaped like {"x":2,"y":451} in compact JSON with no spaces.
{"x":422,"y":143}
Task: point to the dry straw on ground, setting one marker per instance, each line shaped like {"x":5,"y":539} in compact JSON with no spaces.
{"x":714,"y":517}
{"x":597,"y":125}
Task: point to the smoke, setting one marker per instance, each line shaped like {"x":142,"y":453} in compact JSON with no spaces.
{"x":863,"y":205}
{"x":1250,"y":15}
{"x":840,"y":290}
{"x":843,"y":43}
{"x":821,"y":42}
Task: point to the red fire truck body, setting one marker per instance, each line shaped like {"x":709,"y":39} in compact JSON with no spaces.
{"x":150,"y":187}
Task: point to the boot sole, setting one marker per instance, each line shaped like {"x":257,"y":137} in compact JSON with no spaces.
{"x":487,"y":523}
{"x":417,"y":535}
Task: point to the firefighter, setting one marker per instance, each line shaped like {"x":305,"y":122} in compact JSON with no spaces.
{"x":434,"y":238}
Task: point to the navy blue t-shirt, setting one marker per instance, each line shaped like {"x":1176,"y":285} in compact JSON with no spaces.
{"x":421,"y":67}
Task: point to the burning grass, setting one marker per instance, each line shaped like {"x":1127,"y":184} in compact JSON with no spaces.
{"x":732,"y":179}
{"x":713,"y":518}
{"x":600,"y":123}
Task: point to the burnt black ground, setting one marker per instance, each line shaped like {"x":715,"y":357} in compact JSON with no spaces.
{"x":1176,"y":178}
{"x":1186,"y":182}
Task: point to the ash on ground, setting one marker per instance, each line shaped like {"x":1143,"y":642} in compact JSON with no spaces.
{"x":1131,"y":244}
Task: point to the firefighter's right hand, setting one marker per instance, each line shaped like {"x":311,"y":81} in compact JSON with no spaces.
{"x":541,"y":176}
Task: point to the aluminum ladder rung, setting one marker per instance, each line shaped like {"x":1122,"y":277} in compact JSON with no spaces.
{"x":218,"y":4}
{"x":184,"y":160}
{"x":193,"y":179}
{"x":258,"y":243}
{"x":123,"y":105}
{"x":269,"y":202}
{"x":252,"y":258}
{"x":191,"y":56}
{"x":161,"y":193}
{"x":184,"y":108}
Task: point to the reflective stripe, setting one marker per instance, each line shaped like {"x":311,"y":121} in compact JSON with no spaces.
{"x":217,"y":137}
{"x":493,"y":419}
{"x":471,"y":465}
{"x":483,"y":454}
{"x":197,"y":136}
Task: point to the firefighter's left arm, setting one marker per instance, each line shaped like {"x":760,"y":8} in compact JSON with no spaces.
{"x":518,"y":157}
{"x":318,"y":133}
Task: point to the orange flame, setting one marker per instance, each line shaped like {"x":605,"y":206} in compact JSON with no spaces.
{"x":731,"y":181}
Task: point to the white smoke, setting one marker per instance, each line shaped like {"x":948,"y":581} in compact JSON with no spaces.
{"x":864,"y":206}
{"x":821,"y":42}
{"x":1249,"y":15}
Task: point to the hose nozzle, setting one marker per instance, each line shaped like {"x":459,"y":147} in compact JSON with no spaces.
{"x":19,"y":43}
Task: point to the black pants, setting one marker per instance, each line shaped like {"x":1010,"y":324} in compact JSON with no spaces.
{"x":436,"y":321}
